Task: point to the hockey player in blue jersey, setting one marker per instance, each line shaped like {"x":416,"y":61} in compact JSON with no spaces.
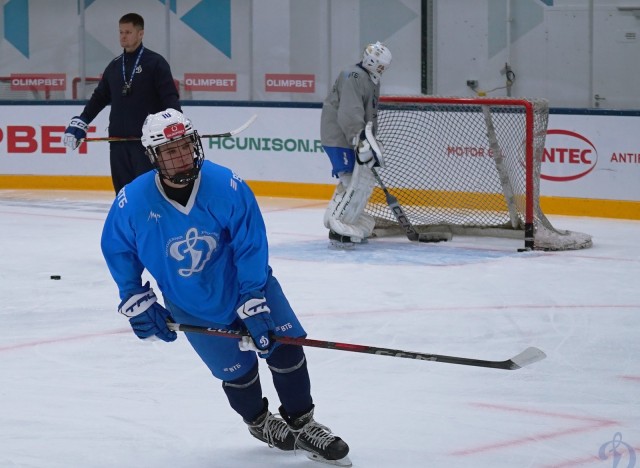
{"x":197,"y":229}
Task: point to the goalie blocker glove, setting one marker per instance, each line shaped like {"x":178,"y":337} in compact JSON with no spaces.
{"x":147,"y":318}
{"x":368,"y":150}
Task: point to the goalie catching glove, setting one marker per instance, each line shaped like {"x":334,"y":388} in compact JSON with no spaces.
{"x":256,"y":316}
{"x":147,"y":318}
{"x":368,"y":149}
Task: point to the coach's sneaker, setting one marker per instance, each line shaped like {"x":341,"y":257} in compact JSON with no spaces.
{"x":271,"y":430}
{"x":317,"y":440}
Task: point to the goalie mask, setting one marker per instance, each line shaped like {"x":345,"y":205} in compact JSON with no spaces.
{"x":376,"y":58}
{"x":173,"y":146}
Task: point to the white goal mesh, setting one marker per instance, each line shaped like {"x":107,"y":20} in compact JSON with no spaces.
{"x":467,"y":166}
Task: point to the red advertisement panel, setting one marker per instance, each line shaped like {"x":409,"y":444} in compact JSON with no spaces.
{"x":38,"y":81}
{"x":289,"y":83}
{"x":210,"y":82}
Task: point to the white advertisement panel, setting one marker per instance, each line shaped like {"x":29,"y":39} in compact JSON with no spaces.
{"x":586,"y":156}
{"x":592,"y":156}
{"x":281,"y":145}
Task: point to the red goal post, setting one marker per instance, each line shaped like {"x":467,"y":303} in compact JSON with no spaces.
{"x":467,"y":166}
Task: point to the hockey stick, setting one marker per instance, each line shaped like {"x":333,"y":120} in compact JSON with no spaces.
{"x":213,"y":135}
{"x":397,"y":210}
{"x":393,"y":203}
{"x":401,"y":217}
{"x":526,"y":357}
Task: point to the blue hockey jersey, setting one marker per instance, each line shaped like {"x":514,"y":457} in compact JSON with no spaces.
{"x":204,"y":256}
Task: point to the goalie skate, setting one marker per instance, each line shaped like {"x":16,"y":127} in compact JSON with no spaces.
{"x":340,"y":242}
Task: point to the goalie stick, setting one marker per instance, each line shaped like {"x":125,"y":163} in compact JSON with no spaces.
{"x":526,"y":357}
{"x":393,"y":203}
{"x":397,"y":210}
{"x":402,"y":219}
{"x":213,"y":135}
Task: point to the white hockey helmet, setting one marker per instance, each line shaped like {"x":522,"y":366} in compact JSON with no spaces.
{"x":376,"y":58}
{"x":171,"y":130}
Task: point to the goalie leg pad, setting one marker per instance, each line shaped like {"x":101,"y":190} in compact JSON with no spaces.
{"x":366,"y":223}
{"x":338,"y":193}
{"x":332,"y":215}
{"x":350,"y":209}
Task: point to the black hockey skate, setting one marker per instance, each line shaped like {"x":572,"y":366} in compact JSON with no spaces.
{"x":338,"y":241}
{"x":272,"y":430}
{"x":317,"y":440}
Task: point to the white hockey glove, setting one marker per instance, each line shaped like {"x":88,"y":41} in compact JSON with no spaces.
{"x":247,"y":344}
{"x":368,"y":149}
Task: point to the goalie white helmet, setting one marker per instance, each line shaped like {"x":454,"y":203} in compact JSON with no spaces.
{"x":376,"y":58}
{"x":173,"y":146}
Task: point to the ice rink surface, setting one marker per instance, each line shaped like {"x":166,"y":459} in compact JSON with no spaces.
{"x":79,"y":390}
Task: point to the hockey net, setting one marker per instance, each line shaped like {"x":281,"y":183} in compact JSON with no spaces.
{"x":467,"y":166}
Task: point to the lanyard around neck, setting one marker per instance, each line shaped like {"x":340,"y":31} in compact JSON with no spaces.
{"x":127,"y":84}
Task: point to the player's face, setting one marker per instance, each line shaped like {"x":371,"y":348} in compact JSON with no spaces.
{"x":176,"y":157}
{"x":130,"y":36}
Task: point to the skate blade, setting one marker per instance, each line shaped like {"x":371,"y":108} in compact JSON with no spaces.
{"x":342,"y":462}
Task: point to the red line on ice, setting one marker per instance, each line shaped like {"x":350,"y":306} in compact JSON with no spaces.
{"x":60,"y":340}
{"x":591,"y":424}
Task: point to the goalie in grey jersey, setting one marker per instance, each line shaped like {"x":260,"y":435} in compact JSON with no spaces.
{"x":351,"y":105}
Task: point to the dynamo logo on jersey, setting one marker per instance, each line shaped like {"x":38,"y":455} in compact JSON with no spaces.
{"x":196,"y":248}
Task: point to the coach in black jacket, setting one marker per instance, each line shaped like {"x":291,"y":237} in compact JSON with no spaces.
{"x":136,"y":84}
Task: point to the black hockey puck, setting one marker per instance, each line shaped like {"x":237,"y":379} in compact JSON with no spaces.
{"x":56,"y":277}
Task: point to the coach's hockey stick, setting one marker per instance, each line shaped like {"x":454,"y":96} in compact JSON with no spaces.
{"x":213,"y":135}
{"x":526,"y":357}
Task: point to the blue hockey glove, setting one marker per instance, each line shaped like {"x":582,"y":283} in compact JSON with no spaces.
{"x":75,"y":132}
{"x":147,"y":318}
{"x":256,"y":316}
